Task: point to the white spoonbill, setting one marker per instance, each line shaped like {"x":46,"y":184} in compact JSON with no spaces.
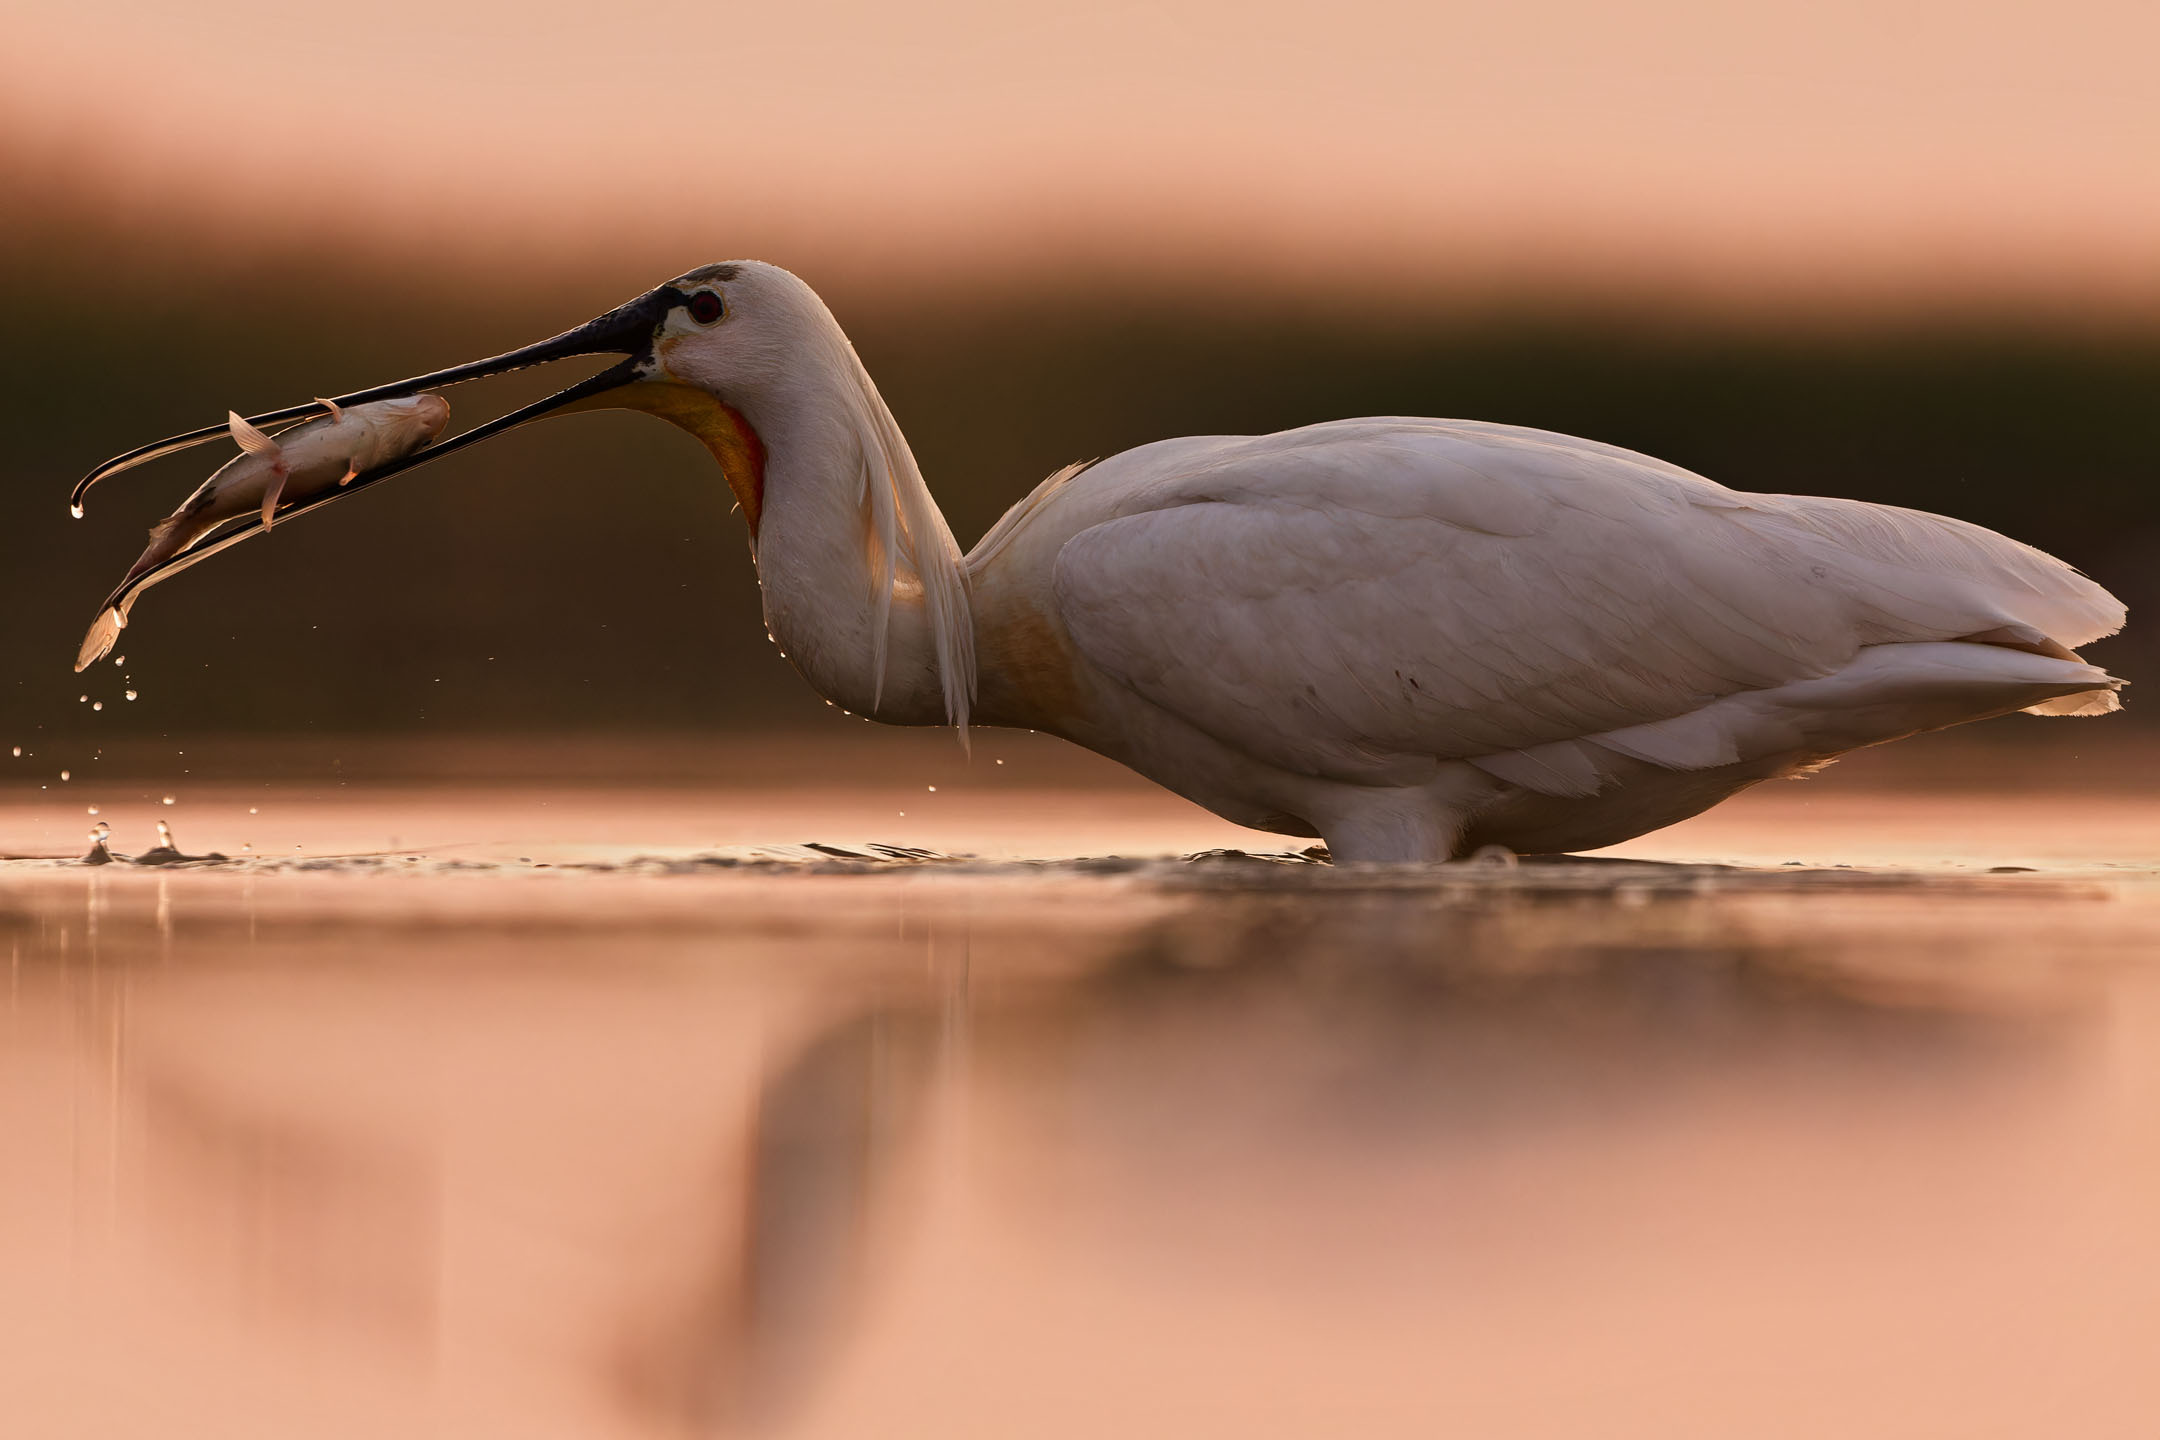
{"x":1407,"y":637}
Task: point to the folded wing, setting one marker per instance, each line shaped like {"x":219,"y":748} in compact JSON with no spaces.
{"x":1366,"y":599}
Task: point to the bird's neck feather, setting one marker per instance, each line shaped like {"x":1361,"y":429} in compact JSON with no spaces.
{"x":814,"y":547}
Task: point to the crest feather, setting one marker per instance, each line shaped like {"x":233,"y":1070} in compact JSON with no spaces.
{"x":906,"y":532}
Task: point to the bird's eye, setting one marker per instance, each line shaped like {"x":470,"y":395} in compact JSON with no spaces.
{"x":706,"y":307}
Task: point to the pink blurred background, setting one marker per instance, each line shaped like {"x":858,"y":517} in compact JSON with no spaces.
{"x":1903,"y":152}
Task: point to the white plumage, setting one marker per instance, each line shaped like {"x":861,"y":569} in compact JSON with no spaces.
{"x":1419,"y":635}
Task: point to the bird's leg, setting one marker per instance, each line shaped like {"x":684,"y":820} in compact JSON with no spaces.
{"x":1405,"y":824}
{"x":1393,"y":832}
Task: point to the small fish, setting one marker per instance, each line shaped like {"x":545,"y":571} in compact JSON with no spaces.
{"x":298,"y":464}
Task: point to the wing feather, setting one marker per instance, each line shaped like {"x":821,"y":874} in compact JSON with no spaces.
{"x":1364,"y":599}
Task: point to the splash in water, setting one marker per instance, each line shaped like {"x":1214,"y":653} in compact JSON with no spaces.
{"x":99,"y":853}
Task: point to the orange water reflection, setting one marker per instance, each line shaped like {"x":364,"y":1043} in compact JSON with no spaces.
{"x":1236,"y":1149}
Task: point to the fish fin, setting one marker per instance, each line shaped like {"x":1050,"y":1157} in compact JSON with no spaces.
{"x":336,"y":413}
{"x":248,"y":438}
{"x":272,"y":491}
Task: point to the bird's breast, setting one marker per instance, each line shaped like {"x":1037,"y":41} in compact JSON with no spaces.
{"x":1031,"y":675}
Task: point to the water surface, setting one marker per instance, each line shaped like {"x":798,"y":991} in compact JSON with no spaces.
{"x":593,"y":1114}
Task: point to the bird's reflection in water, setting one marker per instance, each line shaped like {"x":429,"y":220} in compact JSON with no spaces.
{"x":1267,"y":1078}
{"x":651,"y":1186}
{"x":816,"y":1172}
{"x":290,"y":1220}
{"x":1197,"y":1065}
{"x":1453,"y":1011}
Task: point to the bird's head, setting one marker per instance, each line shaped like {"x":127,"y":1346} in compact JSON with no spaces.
{"x":719,"y":352}
{"x":738,"y":331}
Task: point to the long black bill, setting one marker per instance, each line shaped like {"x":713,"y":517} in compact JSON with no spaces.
{"x":627,"y":330}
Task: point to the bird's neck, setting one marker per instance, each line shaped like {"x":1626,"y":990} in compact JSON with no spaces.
{"x":818,"y":545}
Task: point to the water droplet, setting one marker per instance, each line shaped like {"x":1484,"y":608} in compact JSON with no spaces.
{"x":252,"y":810}
{"x":101,"y":832}
{"x":903,"y":814}
{"x":997,"y":762}
{"x":75,"y":510}
{"x":80,"y":698}
{"x":246,"y":846}
{"x":130,"y":694}
{"x":93,"y":809}
{"x":63,"y":774}
{"x":97,"y":705}
{"x":166,"y":801}
{"x":119,"y":659}
{"x":931,"y":788}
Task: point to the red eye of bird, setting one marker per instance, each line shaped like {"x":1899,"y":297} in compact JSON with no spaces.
{"x":706,"y":307}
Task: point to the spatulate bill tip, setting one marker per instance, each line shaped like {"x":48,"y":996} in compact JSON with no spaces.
{"x":104,"y":631}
